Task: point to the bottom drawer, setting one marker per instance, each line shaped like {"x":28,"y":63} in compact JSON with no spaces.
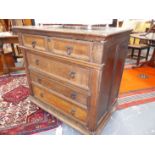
{"x":49,"y":98}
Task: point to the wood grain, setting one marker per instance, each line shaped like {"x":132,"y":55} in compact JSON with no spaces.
{"x":70,"y":72}
{"x":33,"y":41}
{"x":49,"y":98}
{"x":71,"y":93}
{"x":70,"y":48}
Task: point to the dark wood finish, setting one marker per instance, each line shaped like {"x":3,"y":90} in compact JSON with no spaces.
{"x":76,"y":74}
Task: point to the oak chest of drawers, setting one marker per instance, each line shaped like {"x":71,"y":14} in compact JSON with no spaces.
{"x":74,"y":74}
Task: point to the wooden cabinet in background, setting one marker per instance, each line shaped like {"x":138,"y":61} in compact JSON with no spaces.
{"x":75,"y":74}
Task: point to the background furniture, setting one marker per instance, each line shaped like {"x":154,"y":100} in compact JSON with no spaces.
{"x":11,"y":55}
{"x":6,"y":37}
{"x":75,"y":74}
{"x":150,"y":37}
{"x":137,"y":45}
{"x":140,"y":47}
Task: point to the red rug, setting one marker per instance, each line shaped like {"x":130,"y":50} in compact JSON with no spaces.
{"x":18,"y":116}
{"x":137,"y":87}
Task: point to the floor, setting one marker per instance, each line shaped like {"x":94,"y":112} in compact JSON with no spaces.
{"x":136,"y":120}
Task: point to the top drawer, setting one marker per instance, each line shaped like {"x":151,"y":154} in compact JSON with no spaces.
{"x":70,"y":48}
{"x":34,"y":41}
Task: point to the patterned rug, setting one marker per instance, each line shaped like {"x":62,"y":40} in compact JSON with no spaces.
{"x":18,"y":116}
{"x":137,"y":87}
{"x":136,"y":79}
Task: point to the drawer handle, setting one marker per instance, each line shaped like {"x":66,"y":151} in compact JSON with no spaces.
{"x":73,"y":111}
{"x":41,"y":95}
{"x":40,"y":81}
{"x":37,"y":62}
{"x":69,"y":50}
{"x":34,"y":44}
{"x":48,"y":39}
{"x":72,"y":74}
{"x":73,"y":95}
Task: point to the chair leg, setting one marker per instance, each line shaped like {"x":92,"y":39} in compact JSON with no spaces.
{"x":147,"y":54}
{"x":132,"y":52}
{"x":138,"y":58}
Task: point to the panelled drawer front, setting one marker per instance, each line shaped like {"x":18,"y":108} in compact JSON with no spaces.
{"x":70,"y":48}
{"x":34,"y":41}
{"x":70,"y":72}
{"x":51,"y":99}
{"x":59,"y":88}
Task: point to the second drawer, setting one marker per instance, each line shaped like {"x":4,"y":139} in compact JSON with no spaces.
{"x":68,"y":72}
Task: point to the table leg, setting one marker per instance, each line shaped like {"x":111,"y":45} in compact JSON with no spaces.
{"x":13,"y":52}
{"x":152,"y":60}
{"x":5,"y":67}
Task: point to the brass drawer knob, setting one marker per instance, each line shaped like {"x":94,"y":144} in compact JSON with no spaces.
{"x":48,"y":39}
{"x":69,"y":50}
{"x":41,"y":95}
{"x":34,"y":44}
{"x":72,"y":74}
{"x":73,"y":95}
{"x":73,"y":111}
{"x":37,"y":62}
{"x":39,"y":80}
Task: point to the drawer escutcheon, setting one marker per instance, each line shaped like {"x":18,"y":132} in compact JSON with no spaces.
{"x":34,"y":44}
{"x":73,"y":95}
{"x":69,"y":50}
{"x":37,"y":62}
{"x":72,"y":74}
{"x":73,"y":111}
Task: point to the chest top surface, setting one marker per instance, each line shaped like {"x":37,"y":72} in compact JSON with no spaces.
{"x":72,"y":30}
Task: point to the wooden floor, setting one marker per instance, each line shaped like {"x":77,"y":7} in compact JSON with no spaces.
{"x":137,"y":79}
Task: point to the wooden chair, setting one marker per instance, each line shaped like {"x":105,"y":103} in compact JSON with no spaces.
{"x":152,"y":29}
{"x":139,"y":47}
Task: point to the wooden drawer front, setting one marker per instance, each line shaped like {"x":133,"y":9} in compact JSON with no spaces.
{"x":71,"y":48}
{"x":67,"y":107}
{"x":34,"y":41}
{"x":59,"y":88}
{"x":70,"y":72}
